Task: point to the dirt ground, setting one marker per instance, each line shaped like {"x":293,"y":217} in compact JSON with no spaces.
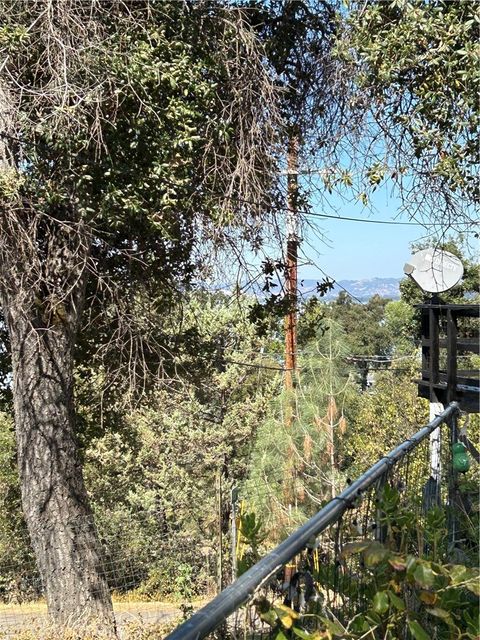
{"x":15,"y":618}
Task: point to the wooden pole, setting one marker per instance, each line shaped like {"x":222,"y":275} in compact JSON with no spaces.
{"x":291,"y":270}
{"x":291,"y":281}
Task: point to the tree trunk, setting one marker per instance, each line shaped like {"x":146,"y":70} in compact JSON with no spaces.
{"x":54,"y":497}
{"x":43,"y":275}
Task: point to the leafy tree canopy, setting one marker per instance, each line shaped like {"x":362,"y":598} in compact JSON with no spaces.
{"x":415,"y":65}
{"x":134,"y":140}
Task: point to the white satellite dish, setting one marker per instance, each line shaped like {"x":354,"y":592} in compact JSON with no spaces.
{"x":434,"y":270}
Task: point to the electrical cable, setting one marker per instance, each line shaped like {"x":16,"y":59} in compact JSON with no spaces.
{"x":390,"y":222}
{"x":308,"y":212}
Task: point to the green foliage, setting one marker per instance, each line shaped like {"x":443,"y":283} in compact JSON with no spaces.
{"x":280,"y":618}
{"x":424,"y":593}
{"x":417,"y":62}
{"x":399,"y":321}
{"x":9,"y":483}
{"x":135,"y":160}
{"x":163,"y":83}
{"x":420,"y":593}
{"x":295,"y":463}
{"x":173,"y":578}
{"x":385,"y":416}
{"x":311,"y":322}
{"x":18,"y":577}
{"x":150,"y":469}
{"x":251,"y":534}
{"x":172,"y":447}
{"x":298,"y":39}
{"x":367,"y":334}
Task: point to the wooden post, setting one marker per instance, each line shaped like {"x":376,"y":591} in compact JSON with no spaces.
{"x":219,"y":530}
{"x":451,"y":356}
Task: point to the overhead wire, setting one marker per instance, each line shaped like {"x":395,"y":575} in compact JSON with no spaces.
{"x":309,"y":212}
{"x":378,"y":358}
{"x":368,"y":220}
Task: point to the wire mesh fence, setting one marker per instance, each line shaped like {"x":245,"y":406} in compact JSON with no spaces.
{"x":150,"y":573}
{"x":409,"y":504}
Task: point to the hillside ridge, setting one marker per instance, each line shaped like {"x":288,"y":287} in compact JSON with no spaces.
{"x":363,"y":288}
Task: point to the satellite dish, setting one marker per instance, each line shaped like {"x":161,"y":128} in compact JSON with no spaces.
{"x":434,"y":270}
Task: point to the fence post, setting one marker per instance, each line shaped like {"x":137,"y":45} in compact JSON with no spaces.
{"x":218,"y":492}
{"x":233,"y":511}
{"x":452,"y":484}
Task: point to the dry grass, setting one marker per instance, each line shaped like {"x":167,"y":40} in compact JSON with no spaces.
{"x":129,"y":631}
{"x":39,"y":607}
{"x":136,"y":620}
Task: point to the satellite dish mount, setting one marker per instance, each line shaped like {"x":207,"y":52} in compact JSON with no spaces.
{"x":434,"y":270}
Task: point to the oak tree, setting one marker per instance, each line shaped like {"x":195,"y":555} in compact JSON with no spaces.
{"x":126,"y":130}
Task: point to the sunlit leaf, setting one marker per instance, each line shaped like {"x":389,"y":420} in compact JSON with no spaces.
{"x":374,"y":554}
{"x":300,"y":633}
{"x":439,"y":613}
{"x":417,"y":631}
{"x":354,"y":547}
{"x":380,"y":602}
{"x":428,"y":597}
{"x":286,"y":615}
{"x":424,"y":576}
{"x":473,"y":585}
{"x":333,"y":627}
{"x":398,"y":563}
{"x":397,"y":602}
{"x":270,"y":617}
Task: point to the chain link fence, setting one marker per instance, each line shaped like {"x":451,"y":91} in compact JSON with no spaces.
{"x":409,"y":502}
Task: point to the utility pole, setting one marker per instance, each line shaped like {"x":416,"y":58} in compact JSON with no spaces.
{"x":291,"y":270}
{"x":291,"y":282}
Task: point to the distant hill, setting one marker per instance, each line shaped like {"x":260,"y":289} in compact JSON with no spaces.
{"x":361,"y":289}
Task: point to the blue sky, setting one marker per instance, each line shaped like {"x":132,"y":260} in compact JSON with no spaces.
{"x":357,"y":250}
{"x":346,"y":250}
{"x":354,"y":250}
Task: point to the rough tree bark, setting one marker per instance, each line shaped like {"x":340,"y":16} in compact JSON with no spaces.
{"x":43,"y":271}
{"x":54,"y":497}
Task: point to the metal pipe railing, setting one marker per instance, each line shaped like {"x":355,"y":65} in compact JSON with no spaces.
{"x":239,"y":592}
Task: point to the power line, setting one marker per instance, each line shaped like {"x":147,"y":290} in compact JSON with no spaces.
{"x":256,"y":366}
{"x":306,"y":212}
{"x":393,"y":222}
